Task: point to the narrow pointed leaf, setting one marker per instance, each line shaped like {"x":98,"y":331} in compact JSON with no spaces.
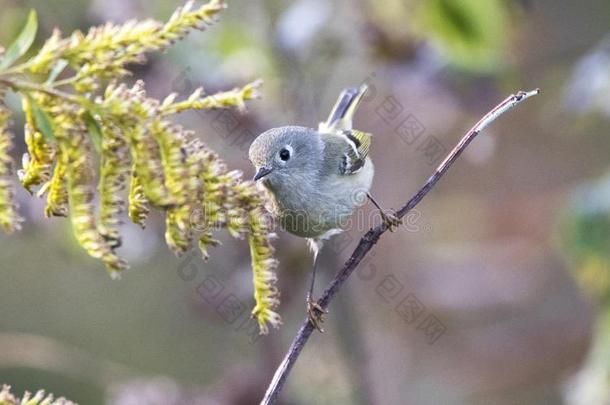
{"x":22,"y":43}
{"x":56,"y":71}
{"x":43,"y":121}
{"x":94,"y":131}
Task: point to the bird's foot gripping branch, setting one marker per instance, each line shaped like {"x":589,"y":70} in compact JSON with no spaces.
{"x":89,"y":137}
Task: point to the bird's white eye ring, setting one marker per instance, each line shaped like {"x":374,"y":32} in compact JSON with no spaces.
{"x":285,"y":153}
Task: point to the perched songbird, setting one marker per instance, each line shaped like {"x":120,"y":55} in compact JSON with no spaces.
{"x":317,"y":178}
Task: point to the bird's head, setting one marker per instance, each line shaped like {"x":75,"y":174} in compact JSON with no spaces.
{"x":286,"y":155}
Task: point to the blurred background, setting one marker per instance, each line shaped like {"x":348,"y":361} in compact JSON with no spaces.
{"x":496,"y":292}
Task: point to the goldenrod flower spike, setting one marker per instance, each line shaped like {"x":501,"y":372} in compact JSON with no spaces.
{"x":263,"y":268}
{"x":114,"y":170}
{"x":105,"y":50}
{"x":37,"y":163}
{"x":138,"y":204}
{"x":75,"y":151}
{"x":197,"y":101}
{"x":167,"y":166}
{"x":57,"y":197}
{"x":264,"y":264}
{"x":10,"y":220}
{"x":40,"y":398}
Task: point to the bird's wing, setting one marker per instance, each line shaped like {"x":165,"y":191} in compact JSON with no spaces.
{"x":355,"y":156}
{"x":345,"y":152}
{"x":339,"y":122}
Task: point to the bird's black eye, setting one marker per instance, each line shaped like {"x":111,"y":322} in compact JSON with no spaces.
{"x":284,"y":154}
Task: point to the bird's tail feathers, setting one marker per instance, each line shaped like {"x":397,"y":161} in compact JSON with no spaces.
{"x":342,"y":114}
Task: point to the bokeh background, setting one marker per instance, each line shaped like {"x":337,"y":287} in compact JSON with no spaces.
{"x":496,"y":292}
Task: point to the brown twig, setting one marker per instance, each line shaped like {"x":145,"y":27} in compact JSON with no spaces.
{"x":372,"y":236}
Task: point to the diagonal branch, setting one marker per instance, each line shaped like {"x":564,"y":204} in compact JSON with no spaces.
{"x":372,"y":236}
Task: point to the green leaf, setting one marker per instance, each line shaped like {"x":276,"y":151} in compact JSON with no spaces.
{"x":57,"y":69}
{"x":43,"y":121}
{"x":22,"y":43}
{"x":471,"y":34}
{"x":94,"y":131}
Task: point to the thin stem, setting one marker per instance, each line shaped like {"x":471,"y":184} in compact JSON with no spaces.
{"x":372,"y":236}
{"x":11,"y":71}
{"x":23,"y":85}
{"x":64,"y":82}
{"x":19,"y":85}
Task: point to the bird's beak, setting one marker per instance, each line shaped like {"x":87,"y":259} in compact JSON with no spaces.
{"x":262,"y":172}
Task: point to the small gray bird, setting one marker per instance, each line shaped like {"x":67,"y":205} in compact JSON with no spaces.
{"x":317,"y":178}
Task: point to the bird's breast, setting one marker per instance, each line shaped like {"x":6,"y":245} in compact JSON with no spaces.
{"x":310,"y":208}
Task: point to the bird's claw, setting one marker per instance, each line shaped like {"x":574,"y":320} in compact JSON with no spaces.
{"x":315,"y":313}
{"x":390,"y":219}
